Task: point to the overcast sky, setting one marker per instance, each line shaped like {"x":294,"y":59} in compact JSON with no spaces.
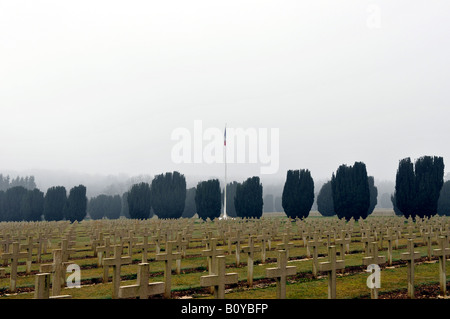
{"x":99,"y":86}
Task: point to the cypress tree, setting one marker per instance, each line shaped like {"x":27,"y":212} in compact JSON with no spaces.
{"x":2,"y":205}
{"x":125,"y":210}
{"x":208,"y":199}
{"x":76,"y":204}
{"x":96,"y":207}
{"x":190,"y":208}
{"x":16,"y":203}
{"x":114,"y":207}
{"x":169,"y":195}
{"x":405,"y":188}
{"x":325,"y":200}
{"x":351,"y":195}
{"x":36,"y":198}
{"x":248,"y":200}
{"x":443,"y":208}
{"x":139,"y":200}
{"x":373,"y":195}
{"x":418,"y":186}
{"x":298,"y":193}
{"x":429,"y":172}
{"x":54,"y":203}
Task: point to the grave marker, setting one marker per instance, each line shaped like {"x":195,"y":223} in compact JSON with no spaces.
{"x":280,"y":273}
{"x":116,"y":262}
{"x":142,"y":289}
{"x":331,"y":266}
{"x":219,"y":279}
{"x":410,"y":257}
{"x":168,"y":257}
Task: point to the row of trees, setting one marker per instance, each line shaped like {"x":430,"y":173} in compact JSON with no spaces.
{"x":21,"y":204}
{"x":351,"y":193}
{"x":419,"y":190}
{"x":418,"y":186}
{"x":167,"y":197}
{"x":6,"y":182}
{"x":105,"y":206}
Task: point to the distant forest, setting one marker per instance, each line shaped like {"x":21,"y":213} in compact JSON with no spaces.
{"x":6,"y":182}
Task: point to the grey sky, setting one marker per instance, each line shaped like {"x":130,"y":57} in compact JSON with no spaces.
{"x":98,"y":86}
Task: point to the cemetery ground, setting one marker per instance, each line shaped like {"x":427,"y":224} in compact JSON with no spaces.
{"x":192,"y":237}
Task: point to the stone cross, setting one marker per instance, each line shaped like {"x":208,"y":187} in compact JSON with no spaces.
{"x":168,"y":258}
{"x":410,"y":234}
{"x":428,"y":238}
{"x":331,"y":267}
{"x":180,"y":246}
{"x":130,"y":241}
{"x":97,"y":240}
{"x":104,"y":251}
{"x":328,"y":234}
{"x":40,"y":241}
{"x":142,"y":289}
{"x":208,"y":236}
{"x":315,"y":243}
{"x":29,"y":248}
{"x":281,"y":272}
{"x":14,"y":257}
{"x":391,"y":236}
{"x":182,"y":243}
{"x":250,"y":251}
{"x":57,"y":268}
{"x":285,"y":245}
{"x":211,"y":253}
{"x":442,"y":252}
{"x":366,"y":240}
{"x":6,"y":242}
{"x":410,"y":256}
{"x":145,"y":245}
{"x":237,"y":239}
{"x":229,"y":235}
{"x":374,"y":259}
{"x":116,"y":262}
{"x":219,"y":279}
{"x":264,"y":237}
{"x":42,"y":288}
{"x":157,"y":239}
{"x":342,"y":243}
{"x":66,"y":251}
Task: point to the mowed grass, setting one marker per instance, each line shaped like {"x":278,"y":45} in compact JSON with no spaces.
{"x":348,"y":286}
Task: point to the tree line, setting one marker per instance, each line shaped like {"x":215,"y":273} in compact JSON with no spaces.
{"x":20,"y":204}
{"x":419,"y":192}
{"x":27,"y":182}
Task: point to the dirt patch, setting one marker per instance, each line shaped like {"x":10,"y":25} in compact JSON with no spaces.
{"x":431,"y":291}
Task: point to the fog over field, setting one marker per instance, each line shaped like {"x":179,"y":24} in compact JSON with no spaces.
{"x":91,"y":92}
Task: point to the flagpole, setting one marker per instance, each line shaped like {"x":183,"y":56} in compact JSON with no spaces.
{"x":225,"y":190}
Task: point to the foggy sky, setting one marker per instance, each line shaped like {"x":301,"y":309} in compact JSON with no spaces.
{"x":99,"y":86}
